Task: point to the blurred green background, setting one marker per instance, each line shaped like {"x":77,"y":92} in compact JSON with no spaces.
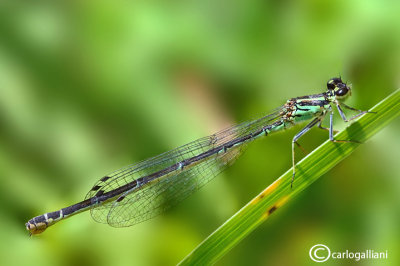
{"x":87,"y":87}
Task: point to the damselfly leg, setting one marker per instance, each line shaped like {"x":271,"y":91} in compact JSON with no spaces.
{"x":318,"y":120}
{"x":294,"y":141}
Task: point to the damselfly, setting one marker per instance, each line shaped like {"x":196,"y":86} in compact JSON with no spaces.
{"x":141,"y":191}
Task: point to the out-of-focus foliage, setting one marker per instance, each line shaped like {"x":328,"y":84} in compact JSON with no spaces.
{"x":87,"y":87}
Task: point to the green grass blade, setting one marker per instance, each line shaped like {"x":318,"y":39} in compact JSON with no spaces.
{"x":312,"y":167}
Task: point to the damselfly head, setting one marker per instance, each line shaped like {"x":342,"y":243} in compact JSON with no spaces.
{"x":338,"y":88}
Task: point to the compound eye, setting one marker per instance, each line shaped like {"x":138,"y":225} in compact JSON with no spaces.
{"x":330,"y":86}
{"x":342,"y":91}
{"x":333,"y":82}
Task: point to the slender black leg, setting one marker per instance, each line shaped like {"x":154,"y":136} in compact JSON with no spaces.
{"x":294,"y":141}
{"x":325,"y":128}
{"x":341,"y":113}
{"x":322,"y":118}
{"x":331,"y":126}
{"x":346,"y":120}
{"x":354,"y":109}
{"x":351,"y":108}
